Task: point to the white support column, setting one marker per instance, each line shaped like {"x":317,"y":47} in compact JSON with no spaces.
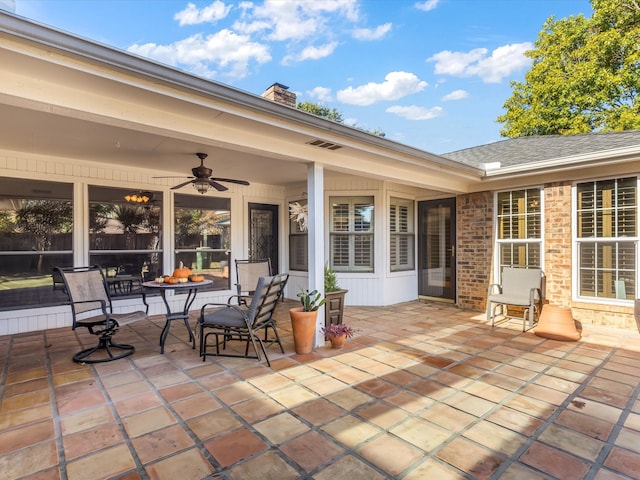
{"x":315,"y":201}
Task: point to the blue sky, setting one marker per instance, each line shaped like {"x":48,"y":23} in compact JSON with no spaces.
{"x":433,"y":74}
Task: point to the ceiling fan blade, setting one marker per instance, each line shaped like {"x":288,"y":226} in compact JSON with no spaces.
{"x":180,"y":185}
{"x":217,"y":186}
{"x":230,"y":180}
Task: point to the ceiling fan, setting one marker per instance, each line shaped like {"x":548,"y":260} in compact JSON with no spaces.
{"x":202,"y":179}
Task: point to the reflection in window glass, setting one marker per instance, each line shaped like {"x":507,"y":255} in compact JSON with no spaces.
{"x":36,"y":225}
{"x":203,"y":236}
{"x":124,"y":234}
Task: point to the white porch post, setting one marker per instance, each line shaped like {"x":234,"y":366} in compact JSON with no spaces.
{"x":315,"y":202}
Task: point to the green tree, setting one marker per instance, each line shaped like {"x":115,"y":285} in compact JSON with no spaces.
{"x":585,"y":75}
{"x":321,"y":111}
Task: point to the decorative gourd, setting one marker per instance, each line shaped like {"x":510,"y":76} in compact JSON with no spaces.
{"x":171,"y":280}
{"x":196,"y":278}
{"x":182,"y":272}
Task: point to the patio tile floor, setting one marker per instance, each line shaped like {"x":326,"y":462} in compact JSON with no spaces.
{"x":423,"y":391}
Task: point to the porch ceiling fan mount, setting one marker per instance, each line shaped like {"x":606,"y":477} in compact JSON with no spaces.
{"x":202,"y":179}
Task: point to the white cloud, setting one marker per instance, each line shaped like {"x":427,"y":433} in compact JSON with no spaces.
{"x":502,"y":62}
{"x":396,"y":85}
{"x":414,"y":112}
{"x":427,"y":5}
{"x":371,"y":33}
{"x":294,"y":19}
{"x":455,"y":95}
{"x":223,"y":52}
{"x":193,"y":15}
{"x":321,"y":94}
{"x":311,"y":53}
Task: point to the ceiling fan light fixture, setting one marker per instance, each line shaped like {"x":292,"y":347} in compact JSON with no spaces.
{"x":202,"y":186}
{"x":138,"y":197}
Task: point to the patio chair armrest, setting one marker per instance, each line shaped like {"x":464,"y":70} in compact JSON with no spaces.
{"x":239,"y":299}
{"x":103,"y":304}
{"x":494,"y":288}
{"x":225,"y":305}
{"x":535,"y":295}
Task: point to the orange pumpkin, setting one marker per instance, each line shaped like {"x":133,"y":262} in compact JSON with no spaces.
{"x":196,"y":278}
{"x":171,"y":280}
{"x":182,"y":272}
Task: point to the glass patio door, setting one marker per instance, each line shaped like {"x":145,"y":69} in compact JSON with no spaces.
{"x":436,"y":249}
{"x":263,"y":233}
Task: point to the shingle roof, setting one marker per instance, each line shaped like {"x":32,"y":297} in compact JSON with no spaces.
{"x":525,"y":150}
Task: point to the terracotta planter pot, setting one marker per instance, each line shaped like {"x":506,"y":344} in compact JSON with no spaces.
{"x":337,"y":341}
{"x":557,"y":323}
{"x":303,"y":325}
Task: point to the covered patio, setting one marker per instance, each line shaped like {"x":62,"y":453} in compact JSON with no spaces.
{"x":424,"y":390}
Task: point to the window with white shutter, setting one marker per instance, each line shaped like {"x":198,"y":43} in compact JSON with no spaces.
{"x":519,"y":225}
{"x":401,"y":231}
{"x":606,"y":237}
{"x":351,"y":234}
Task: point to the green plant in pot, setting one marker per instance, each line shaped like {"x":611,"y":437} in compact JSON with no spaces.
{"x":303,"y":320}
{"x":334,"y":295}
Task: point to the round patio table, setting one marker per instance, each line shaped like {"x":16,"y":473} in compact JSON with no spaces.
{"x":192,"y":289}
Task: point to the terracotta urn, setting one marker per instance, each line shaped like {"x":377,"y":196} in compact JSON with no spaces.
{"x":557,"y":323}
{"x":303,"y":325}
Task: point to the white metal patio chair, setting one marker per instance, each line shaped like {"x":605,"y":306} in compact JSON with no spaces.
{"x":520,"y":287}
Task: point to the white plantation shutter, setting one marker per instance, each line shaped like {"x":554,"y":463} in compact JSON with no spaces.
{"x":401,"y":240}
{"x":519,"y":220}
{"x":606,"y":236}
{"x":351,"y":235}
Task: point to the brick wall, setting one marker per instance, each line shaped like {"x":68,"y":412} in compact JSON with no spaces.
{"x":557,"y":243}
{"x":474,"y":250}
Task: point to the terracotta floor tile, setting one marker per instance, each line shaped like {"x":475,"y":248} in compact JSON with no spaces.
{"x":424,"y":435}
{"x":26,"y":400}
{"x":487,"y":391}
{"x":350,"y":430}
{"x":629,"y":439}
{"x":323,"y":385}
{"x":469,"y":403}
{"x":532,"y":406}
{"x":448,"y":417}
{"x":607,"y":397}
{"x":516,"y":421}
{"x":11,"y":440}
{"x":195,"y":406}
{"x":470,"y":458}
{"x":148,"y":421}
{"x":310,"y":450}
{"x":409,"y":401}
{"x":318,"y":411}
{"x":293,"y":396}
{"x":188,"y":464}
{"x":27,"y":386}
{"x":212,"y":424}
{"x":237,"y":392}
{"x":593,"y":427}
{"x":235,"y":446}
{"x":13,"y":418}
{"x":91,"y":439}
{"x":351,"y":468}
{"x":433,"y":469}
{"x":104,"y":464}
{"x":124,"y":378}
{"x":570,"y":441}
{"x":281,"y":428}
{"x":623,"y":461}
{"x":594,"y":409}
{"x":29,"y":460}
{"x":137,"y":404}
{"x":495,"y":437}
{"x":266,"y":466}
{"x":633,"y":421}
{"x":520,"y":472}
{"x":161,"y":443}
{"x":554,"y":462}
{"x":377,"y":451}
{"x":382,"y":414}
{"x":121,"y":392}
{"x":349,"y":398}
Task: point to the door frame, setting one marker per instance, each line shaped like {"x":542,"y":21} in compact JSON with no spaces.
{"x":275,"y":225}
{"x":449,"y":293}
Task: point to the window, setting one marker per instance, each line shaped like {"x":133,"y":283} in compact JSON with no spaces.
{"x":401,"y":242}
{"x":351,"y":234}
{"x":203,"y":236}
{"x":124,"y":234}
{"x":298,"y":237}
{"x":607,"y":233}
{"x":36,"y":226}
{"x":520,"y":228}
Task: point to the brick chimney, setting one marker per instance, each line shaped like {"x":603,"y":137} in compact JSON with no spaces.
{"x":281,"y":94}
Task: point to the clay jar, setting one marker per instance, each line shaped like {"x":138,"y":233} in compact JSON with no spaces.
{"x":303,"y":325}
{"x":557,"y":323}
